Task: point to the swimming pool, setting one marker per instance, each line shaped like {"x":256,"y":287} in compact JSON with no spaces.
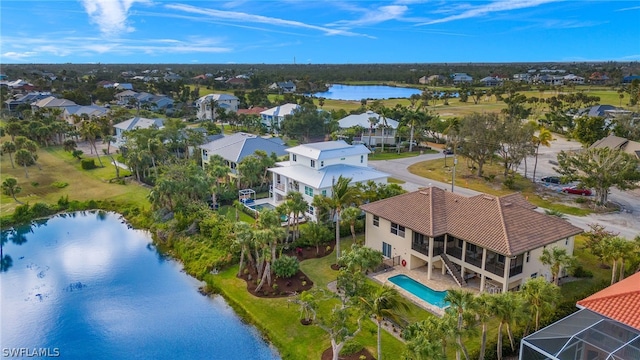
{"x":423,"y":292}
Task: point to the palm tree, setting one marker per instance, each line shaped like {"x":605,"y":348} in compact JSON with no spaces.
{"x":373,"y":121}
{"x":481,"y":308}
{"x":91,"y":131}
{"x":385,"y":302}
{"x":32,"y":147}
{"x":350,"y":215}
{"x":23,"y":158}
{"x":342,"y":194}
{"x":508,"y":309}
{"x":543,"y":138}
{"x":541,"y":297}
{"x":616,"y":249}
{"x":10,"y":188}
{"x":8,"y":147}
{"x":557,"y":258}
{"x":460,"y":301}
{"x":297,"y":205}
{"x":244,"y":238}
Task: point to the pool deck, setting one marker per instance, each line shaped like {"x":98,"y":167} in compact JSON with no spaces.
{"x":438,"y":282}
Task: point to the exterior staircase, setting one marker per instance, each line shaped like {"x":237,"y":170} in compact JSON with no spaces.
{"x":452,"y":270}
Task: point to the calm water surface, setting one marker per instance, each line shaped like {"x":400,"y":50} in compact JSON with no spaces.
{"x":359,"y":92}
{"x":87,"y":287}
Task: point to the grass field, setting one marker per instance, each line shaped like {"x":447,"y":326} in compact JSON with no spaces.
{"x":58,"y":168}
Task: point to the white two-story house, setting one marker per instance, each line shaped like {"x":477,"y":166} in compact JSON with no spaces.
{"x":313,"y":168}
{"x":272,"y":118}
{"x":207,"y":105}
{"x":496,"y":241}
{"x":376,"y":129}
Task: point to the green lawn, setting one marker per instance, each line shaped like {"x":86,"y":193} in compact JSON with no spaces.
{"x":59,"y":167}
{"x":279,"y":319}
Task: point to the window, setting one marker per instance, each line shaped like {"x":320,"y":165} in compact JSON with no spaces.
{"x":324,"y":192}
{"x":500,"y":259}
{"x":313,"y":163}
{"x":397,"y":229}
{"x":459,"y":243}
{"x":534,"y":275}
{"x":376,"y":220}
{"x":527,"y":256}
{"x":566,"y":241}
{"x":294,"y":157}
{"x":471,"y":248}
{"x":308,"y":191}
{"x":361,"y":159}
{"x":386,"y":249}
{"x":310,"y":210}
{"x":321,"y":163}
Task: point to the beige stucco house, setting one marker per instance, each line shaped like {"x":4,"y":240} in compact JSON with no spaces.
{"x":497,"y":240}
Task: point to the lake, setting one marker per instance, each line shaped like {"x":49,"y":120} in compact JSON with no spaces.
{"x":359,"y":92}
{"x":86,"y":286}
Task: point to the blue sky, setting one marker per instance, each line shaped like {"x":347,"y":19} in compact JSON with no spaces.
{"x":317,"y":32}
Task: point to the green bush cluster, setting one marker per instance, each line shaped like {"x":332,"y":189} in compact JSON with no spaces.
{"x":60,"y":184}
{"x":286,"y":266}
{"x":351,"y":347}
{"x":88,"y":164}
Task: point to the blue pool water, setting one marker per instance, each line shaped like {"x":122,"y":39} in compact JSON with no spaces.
{"x":85,"y":286}
{"x":423,"y":292}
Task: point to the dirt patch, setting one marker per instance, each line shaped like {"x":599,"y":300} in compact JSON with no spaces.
{"x":310,"y":252}
{"x":328,"y":355}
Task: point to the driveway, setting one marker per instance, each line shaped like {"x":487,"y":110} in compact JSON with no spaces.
{"x":626,"y":222}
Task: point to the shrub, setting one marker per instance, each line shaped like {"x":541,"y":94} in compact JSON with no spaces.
{"x":21,"y":214}
{"x":77,"y":154}
{"x":286,"y":266}
{"x":581,"y":200}
{"x":35,"y":184}
{"x":63,"y":202}
{"x":351,"y":347}
{"x":581,"y":272}
{"x":60,"y":184}
{"x":88,"y":164}
{"x":40,"y":210}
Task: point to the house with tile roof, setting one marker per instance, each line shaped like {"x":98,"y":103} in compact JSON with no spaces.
{"x":607,"y":326}
{"x":234,"y":148}
{"x":272,"y":118}
{"x":313,"y":168}
{"x":615,"y":142}
{"x":204,"y":110}
{"x":497,"y":240}
{"x":384,"y":129}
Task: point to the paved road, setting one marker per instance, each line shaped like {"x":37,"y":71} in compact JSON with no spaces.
{"x":627,"y":224}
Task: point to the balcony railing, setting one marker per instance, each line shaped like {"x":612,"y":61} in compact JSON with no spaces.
{"x":280,"y":186}
{"x":495,"y":268}
{"x":421,"y":248}
{"x":516,"y":270}
{"x":473,"y":258}
{"x":454,"y":252}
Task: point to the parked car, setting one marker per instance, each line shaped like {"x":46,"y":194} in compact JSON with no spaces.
{"x":551,"y":179}
{"x":576,"y":190}
{"x":447,"y":152}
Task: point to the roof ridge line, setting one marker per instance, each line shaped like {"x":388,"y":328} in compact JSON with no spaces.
{"x":610,"y":296}
{"x":503,"y":225}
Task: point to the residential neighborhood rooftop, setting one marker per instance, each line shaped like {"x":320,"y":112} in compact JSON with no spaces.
{"x":505,"y":224}
{"x":328,"y":149}
{"x":323,"y":178}
{"x":239,"y":145}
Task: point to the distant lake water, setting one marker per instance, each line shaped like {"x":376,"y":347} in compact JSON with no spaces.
{"x":85,"y":286}
{"x":359,"y":92}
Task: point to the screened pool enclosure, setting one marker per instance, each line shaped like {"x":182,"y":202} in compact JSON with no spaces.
{"x":583,"y":335}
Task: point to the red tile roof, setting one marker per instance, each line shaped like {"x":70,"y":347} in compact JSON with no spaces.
{"x":620,"y":301}
{"x":507,"y":225}
{"x":252,"y":111}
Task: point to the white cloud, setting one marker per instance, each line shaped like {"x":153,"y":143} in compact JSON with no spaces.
{"x":18,"y":56}
{"x":250,"y":18}
{"x":485,"y":9}
{"x":370,"y":17}
{"x":110,"y":15}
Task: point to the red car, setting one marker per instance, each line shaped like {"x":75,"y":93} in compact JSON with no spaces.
{"x":576,"y":190}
